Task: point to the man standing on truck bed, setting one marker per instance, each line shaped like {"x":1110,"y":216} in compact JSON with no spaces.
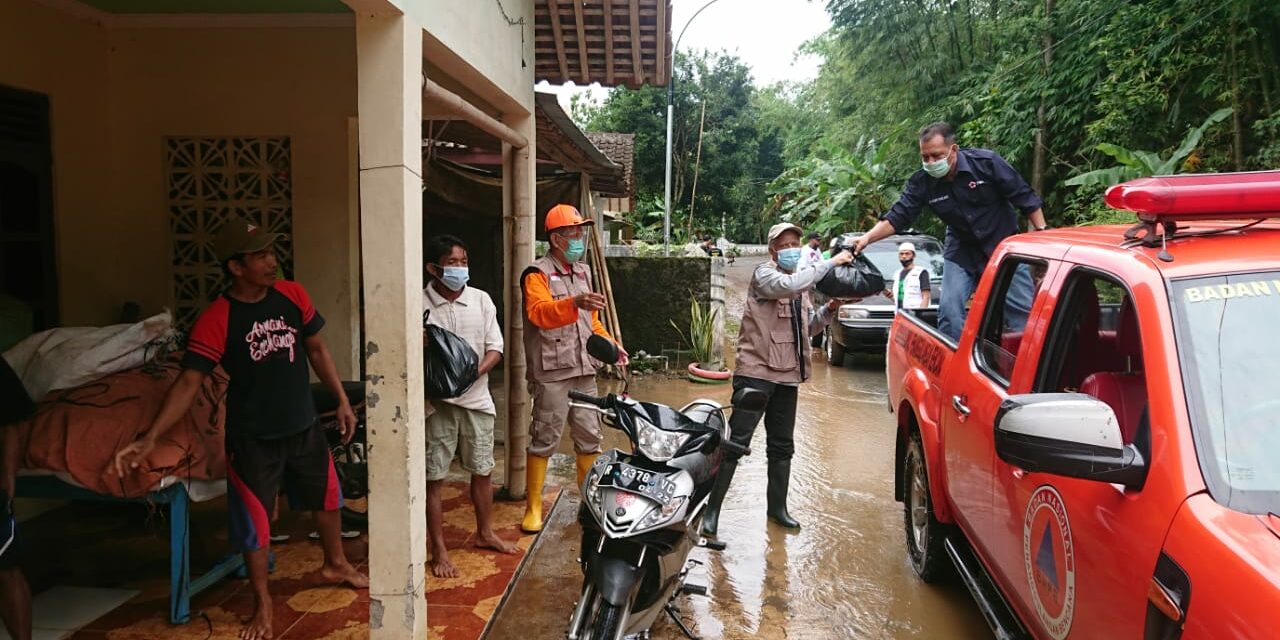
{"x":975,"y":192}
{"x":773,"y":357}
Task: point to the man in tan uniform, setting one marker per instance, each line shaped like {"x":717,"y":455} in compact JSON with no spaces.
{"x":773,"y":356}
{"x":560,"y":313}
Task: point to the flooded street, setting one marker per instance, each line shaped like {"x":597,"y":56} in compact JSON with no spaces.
{"x":843,"y":575}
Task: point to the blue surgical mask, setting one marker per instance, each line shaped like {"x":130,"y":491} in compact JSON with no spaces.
{"x":789,"y":258}
{"x":455,"y":278}
{"x":574,"y":251}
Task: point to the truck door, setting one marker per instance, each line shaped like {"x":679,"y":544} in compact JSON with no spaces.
{"x":978,"y":379}
{"x":1075,"y":557}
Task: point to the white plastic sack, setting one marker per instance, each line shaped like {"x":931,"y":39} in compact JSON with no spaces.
{"x":68,"y":357}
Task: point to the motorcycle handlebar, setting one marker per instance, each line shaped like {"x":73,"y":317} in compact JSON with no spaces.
{"x":587,"y":398}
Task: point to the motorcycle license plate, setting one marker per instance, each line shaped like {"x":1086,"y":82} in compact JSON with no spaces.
{"x":654,"y":486}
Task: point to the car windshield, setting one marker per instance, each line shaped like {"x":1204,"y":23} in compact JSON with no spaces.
{"x":884,"y":255}
{"x":1231,"y":368}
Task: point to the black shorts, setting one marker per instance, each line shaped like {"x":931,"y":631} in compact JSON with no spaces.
{"x":258,"y":468}
{"x":9,"y":545}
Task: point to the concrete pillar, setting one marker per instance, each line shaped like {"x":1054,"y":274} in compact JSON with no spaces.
{"x":389,"y":48}
{"x":717,"y":307}
{"x":519,"y":216}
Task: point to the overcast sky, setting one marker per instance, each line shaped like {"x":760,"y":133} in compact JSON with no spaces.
{"x":765,"y":33}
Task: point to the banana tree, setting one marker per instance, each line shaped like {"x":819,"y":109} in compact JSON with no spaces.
{"x":1140,"y":164}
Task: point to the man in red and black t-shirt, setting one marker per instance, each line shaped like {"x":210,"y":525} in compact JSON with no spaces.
{"x":263,"y":331}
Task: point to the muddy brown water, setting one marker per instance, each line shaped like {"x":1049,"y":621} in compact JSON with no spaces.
{"x":843,"y":575}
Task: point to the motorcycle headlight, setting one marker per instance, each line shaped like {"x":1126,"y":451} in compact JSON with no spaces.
{"x":591,"y":487}
{"x":658,"y":517}
{"x":659,"y":445}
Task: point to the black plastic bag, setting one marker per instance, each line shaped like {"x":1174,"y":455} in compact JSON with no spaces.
{"x":858,"y":279}
{"x":451,"y":365}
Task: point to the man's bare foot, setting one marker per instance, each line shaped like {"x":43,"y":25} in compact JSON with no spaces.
{"x":259,"y":626}
{"x":344,"y":573}
{"x":492,"y":541}
{"x":441,"y":566}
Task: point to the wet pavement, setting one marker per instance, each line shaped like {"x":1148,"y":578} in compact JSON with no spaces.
{"x":843,"y":575}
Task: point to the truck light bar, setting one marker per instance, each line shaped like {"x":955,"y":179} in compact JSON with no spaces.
{"x":1214,"y":196}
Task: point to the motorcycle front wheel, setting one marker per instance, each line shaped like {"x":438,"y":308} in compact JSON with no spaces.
{"x":608,"y":619}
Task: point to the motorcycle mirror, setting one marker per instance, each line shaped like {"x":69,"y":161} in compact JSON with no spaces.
{"x":749,"y":399}
{"x":602,"y":349}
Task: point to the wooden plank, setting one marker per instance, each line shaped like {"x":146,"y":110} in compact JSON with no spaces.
{"x":637,"y":69}
{"x":585,"y":71}
{"x":661,"y":51}
{"x":555,"y":29}
{"x":608,"y":41}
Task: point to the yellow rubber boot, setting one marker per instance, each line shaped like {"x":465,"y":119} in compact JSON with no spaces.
{"x":535,"y":474}
{"x":585,"y":460}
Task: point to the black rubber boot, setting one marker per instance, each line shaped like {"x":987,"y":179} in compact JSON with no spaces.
{"x":779,"y":483}
{"x":711,"y":518}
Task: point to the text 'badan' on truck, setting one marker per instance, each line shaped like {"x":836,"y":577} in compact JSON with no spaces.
{"x":1106,"y":463}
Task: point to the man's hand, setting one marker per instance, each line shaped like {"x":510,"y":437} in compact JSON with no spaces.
{"x":346,"y":421}
{"x":589,"y":301}
{"x":842,"y":258}
{"x":128,"y":458}
{"x":861,"y":243}
{"x":624,"y":358}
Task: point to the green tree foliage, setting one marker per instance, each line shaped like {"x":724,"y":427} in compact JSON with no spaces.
{"x":1094,"y":80}
{"x":741,"y":150}
{"x":1118,"y":75}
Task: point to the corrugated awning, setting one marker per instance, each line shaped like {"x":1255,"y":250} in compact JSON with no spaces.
{"x":613,"y":42}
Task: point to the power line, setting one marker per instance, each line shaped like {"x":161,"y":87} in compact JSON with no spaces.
{"x":510,"y":22}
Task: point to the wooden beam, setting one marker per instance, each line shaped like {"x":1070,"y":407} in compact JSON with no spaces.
{"x":582,"y":43}
{"x":608,"y":41}
{"x":661,"y":57}
{"x":637,"y":68}
{"x":453,"y":102}
{"x":555,"y":29}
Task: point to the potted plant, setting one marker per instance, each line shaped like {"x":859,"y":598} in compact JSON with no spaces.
{"x":701,"y":341}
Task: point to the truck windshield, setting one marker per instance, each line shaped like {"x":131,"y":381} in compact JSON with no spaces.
{"x":1231,"y":368}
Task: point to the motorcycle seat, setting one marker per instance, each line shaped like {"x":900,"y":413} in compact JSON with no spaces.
{"x":326,"y":402}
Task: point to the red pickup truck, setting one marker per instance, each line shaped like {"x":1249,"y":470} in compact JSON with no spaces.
{"x":1106,"y":463}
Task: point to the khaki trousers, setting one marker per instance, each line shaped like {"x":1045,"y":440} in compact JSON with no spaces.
{"x":551,"y":411}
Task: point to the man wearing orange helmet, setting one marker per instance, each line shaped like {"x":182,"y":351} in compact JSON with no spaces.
{"x":560,"y":313}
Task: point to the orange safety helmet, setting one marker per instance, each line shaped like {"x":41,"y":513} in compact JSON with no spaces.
{"x":565,"y":215}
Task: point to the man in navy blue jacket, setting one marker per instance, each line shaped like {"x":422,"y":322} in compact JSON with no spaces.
{"x":978,"y":195}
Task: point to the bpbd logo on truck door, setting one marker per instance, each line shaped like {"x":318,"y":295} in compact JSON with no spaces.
{"x":1049,"y":557}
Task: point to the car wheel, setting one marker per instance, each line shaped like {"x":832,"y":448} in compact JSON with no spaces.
{"x":925,"y":535}
{"x":835,"y":350}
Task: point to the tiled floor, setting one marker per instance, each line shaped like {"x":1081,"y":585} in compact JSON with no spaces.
{"x":120,"y":547}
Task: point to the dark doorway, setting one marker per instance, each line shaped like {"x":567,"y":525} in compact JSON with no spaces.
{"x":28,"y":266}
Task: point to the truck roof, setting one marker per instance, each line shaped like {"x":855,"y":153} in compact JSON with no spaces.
{"x":1231,"y":248}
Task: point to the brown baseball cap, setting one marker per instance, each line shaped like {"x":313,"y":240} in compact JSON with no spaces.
{"x":239,"y":236}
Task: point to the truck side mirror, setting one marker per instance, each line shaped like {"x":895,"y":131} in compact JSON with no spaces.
{"x":1067,"y":434}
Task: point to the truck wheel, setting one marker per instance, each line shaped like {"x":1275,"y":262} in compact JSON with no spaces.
{"x":835,"y":350}
{"x":925,"y":535}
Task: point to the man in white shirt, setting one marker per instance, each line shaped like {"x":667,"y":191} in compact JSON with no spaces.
{"x":811,"y":254}
{"x":911,"y":289}
{"x":461,"y":425}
